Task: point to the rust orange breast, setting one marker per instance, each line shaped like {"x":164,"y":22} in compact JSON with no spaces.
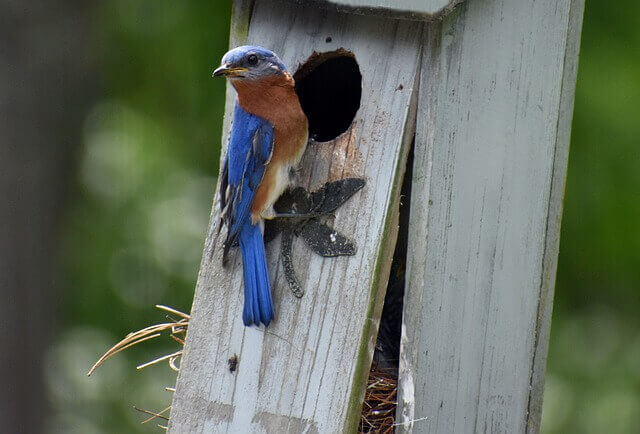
{"x":275,"y":100}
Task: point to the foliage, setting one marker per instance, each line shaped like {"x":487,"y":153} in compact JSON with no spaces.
{"x":134,"y":234}
{"x":593,"y":374}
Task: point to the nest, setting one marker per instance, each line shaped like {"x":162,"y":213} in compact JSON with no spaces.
{"x":378,"y":409}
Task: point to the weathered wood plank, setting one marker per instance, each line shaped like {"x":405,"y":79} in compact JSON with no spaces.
{"x":492,"y":136}
{"x":424,"y":10}
{"x":306,"y":372}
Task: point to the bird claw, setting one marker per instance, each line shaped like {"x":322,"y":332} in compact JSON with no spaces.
{"x":305,"y":215}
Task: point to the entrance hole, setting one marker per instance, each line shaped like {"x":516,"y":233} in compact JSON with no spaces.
{"x":329,"y":86}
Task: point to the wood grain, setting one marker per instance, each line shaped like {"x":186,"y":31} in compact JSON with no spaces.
{"x":494,"y":115}
{"x":306,"y":372}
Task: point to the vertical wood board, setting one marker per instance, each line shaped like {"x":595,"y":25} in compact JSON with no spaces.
{"x":305,"y":372}
{"x":497,"y":82}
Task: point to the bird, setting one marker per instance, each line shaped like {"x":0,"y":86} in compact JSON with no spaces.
{"x":269,"y":135}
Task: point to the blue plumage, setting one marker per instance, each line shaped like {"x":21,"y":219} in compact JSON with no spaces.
{"x":258,"y":307}
{"x":250,"y":147}
{"x":268,"y":137}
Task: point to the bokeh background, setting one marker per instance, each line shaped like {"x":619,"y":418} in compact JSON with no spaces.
{"x":134,"y":145}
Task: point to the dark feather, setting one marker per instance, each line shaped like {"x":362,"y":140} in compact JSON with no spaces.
{"x":250,"y":148}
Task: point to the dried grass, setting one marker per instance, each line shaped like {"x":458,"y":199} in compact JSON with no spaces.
{"x":380,"y":398}
{"x":178,"y":329}
{"x":378,"y":409}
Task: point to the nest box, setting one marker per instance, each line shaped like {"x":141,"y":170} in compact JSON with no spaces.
{"x":482,"y":91}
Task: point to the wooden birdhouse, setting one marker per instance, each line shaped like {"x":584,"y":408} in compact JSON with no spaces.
{"x":480,"y":93}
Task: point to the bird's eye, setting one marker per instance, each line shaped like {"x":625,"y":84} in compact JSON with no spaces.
{"x":252,"y":60}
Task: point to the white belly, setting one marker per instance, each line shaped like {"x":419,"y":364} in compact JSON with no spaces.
{"x":282,"y":180}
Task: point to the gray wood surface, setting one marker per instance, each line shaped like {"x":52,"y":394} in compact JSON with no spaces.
{"x":494,"y":115}
{"x":306,"y":372}
{"x":409,"y":9}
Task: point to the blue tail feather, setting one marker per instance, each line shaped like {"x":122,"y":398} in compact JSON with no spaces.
{"x":258,"y":307}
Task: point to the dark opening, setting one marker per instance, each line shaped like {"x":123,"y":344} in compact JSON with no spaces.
{"x":329,"y":86}
{"x":379,"y":409}
{"x":387,"y":351}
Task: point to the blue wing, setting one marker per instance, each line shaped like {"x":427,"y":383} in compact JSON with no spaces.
{"x":250,"y":148}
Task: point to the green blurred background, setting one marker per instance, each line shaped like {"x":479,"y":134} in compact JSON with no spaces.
{"x":144,"y":178}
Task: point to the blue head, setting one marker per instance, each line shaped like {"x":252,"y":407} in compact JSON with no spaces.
{"x":249,"y":62}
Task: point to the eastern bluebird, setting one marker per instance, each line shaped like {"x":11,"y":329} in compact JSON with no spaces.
{"x":268,"y":137}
